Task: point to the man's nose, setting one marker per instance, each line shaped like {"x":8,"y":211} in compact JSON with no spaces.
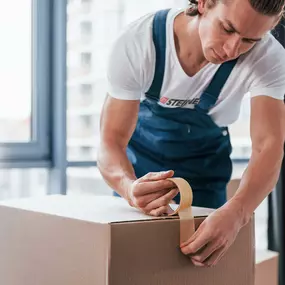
{"x":232,"y":47}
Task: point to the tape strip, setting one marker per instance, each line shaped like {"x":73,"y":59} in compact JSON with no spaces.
{"x":184,"y":210}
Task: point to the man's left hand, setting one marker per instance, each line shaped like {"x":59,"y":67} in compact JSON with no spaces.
{"x":214,"y":236}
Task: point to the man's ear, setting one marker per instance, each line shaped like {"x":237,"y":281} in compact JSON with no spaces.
{"x":277,"y":21}
{"x":202,"y":6}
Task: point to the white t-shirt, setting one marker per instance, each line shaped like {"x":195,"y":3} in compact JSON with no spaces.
{"x":132,"y":63}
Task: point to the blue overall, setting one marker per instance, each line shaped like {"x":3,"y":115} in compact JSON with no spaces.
{"x":185,"y":140}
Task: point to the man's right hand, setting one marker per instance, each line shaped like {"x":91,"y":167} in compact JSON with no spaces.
{"x":152,"y":193}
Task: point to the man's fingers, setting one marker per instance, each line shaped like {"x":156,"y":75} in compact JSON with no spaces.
{"x":153,"y":192}
{"x":148,"y":187}
{"x":206,"y":252}
{"x":143,"y":201}
{"x":148,"y":198}
{"x":196,"y":245}
{"x":162,"y":201}
{"x":160,"y":211}
{"x":154,"y":176}
{"x":196,"y":263}
{"x":215,"y":257}
{"x":193,"y":237}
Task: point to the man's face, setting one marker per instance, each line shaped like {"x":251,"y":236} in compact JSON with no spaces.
{"x":230,"y":29}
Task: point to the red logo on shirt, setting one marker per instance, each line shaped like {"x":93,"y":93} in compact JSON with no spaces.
{"x":179,"y":102}
{"x":163,"y":100}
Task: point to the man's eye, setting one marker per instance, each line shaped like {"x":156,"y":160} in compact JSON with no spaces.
{"x":228,"y":31}
{"x":248,"y":41}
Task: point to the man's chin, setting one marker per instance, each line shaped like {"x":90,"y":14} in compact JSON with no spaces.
{"x":213,"y":60}
{"x":212,"y":57}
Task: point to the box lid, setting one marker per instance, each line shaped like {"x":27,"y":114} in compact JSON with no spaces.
{"x":98,"y":209}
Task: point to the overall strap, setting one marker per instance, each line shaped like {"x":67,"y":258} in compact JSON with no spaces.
{"x":210,"y":95}
{"x":159,"y":40}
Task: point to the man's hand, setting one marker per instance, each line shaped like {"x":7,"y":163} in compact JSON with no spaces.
{"x":152,"y":193}
{"x":213,"y":237}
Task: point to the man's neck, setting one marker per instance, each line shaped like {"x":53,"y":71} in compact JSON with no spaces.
{"x":188,"y":44}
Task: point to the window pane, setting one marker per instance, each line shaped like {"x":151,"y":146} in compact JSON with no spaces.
{"x":240,"y":134}
{"x":261,"y":224}
{"x":91,"y":28}
{"x":20,"y":183}
{"x":15,"y":71}
{"x":86,"y":181}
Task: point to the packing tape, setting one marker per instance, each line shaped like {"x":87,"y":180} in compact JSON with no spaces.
{"x":184,"y":210}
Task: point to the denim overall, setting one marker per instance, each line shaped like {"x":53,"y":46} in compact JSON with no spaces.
{"x":180,"y":139}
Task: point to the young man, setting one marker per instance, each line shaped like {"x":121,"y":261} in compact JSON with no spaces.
{"x":176,"y":82}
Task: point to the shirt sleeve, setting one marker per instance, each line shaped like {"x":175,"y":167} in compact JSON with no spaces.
{"x":269,"y":74}
{"x":123,"y":73}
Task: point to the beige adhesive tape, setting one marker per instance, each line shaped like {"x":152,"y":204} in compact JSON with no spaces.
{"x":184,"y":210}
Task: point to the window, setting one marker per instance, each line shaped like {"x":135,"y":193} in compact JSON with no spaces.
{"x":23,"y":183}
{"x":25,"y":83}
{"x":15,"y":72}
{"x":86,"y":6}
{"x":86,"y":28}
{"x":240,"y":138}
{"x":31,"y":47}
{"x":240,"y":134}
{"x":86,"y":58}
{"x":87,"y":181}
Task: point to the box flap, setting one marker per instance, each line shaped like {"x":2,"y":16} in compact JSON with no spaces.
{"x":99,"y":209}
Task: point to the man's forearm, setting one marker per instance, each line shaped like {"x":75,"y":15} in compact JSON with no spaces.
{"x":258,"y":180}
{"x":115,"y":168}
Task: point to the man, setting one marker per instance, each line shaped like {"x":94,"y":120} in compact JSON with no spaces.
{"x":176,"y":81}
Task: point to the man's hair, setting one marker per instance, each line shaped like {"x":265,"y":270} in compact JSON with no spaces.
{"x":265,"y":7}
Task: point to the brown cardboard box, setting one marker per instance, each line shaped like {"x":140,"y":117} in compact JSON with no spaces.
{"x":62,"y":240}
{"x":232,"y":187}
{"x":266,"y":269}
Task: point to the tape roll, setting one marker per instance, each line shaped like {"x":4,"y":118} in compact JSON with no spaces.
{"x":184,"y":210}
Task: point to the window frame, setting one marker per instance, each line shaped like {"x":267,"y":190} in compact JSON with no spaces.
{"x":38,"y":148}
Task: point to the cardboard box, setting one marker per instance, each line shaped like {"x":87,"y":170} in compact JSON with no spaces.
{"x":266,"y":269}
{"x":232,"y":187}
{"x":63,"y":240}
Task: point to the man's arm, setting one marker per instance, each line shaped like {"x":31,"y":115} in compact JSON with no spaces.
{"x":152,"y":192}
{"x":220,"y":228}
{"x":267,"y":128}
{"x":117,"y":123}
